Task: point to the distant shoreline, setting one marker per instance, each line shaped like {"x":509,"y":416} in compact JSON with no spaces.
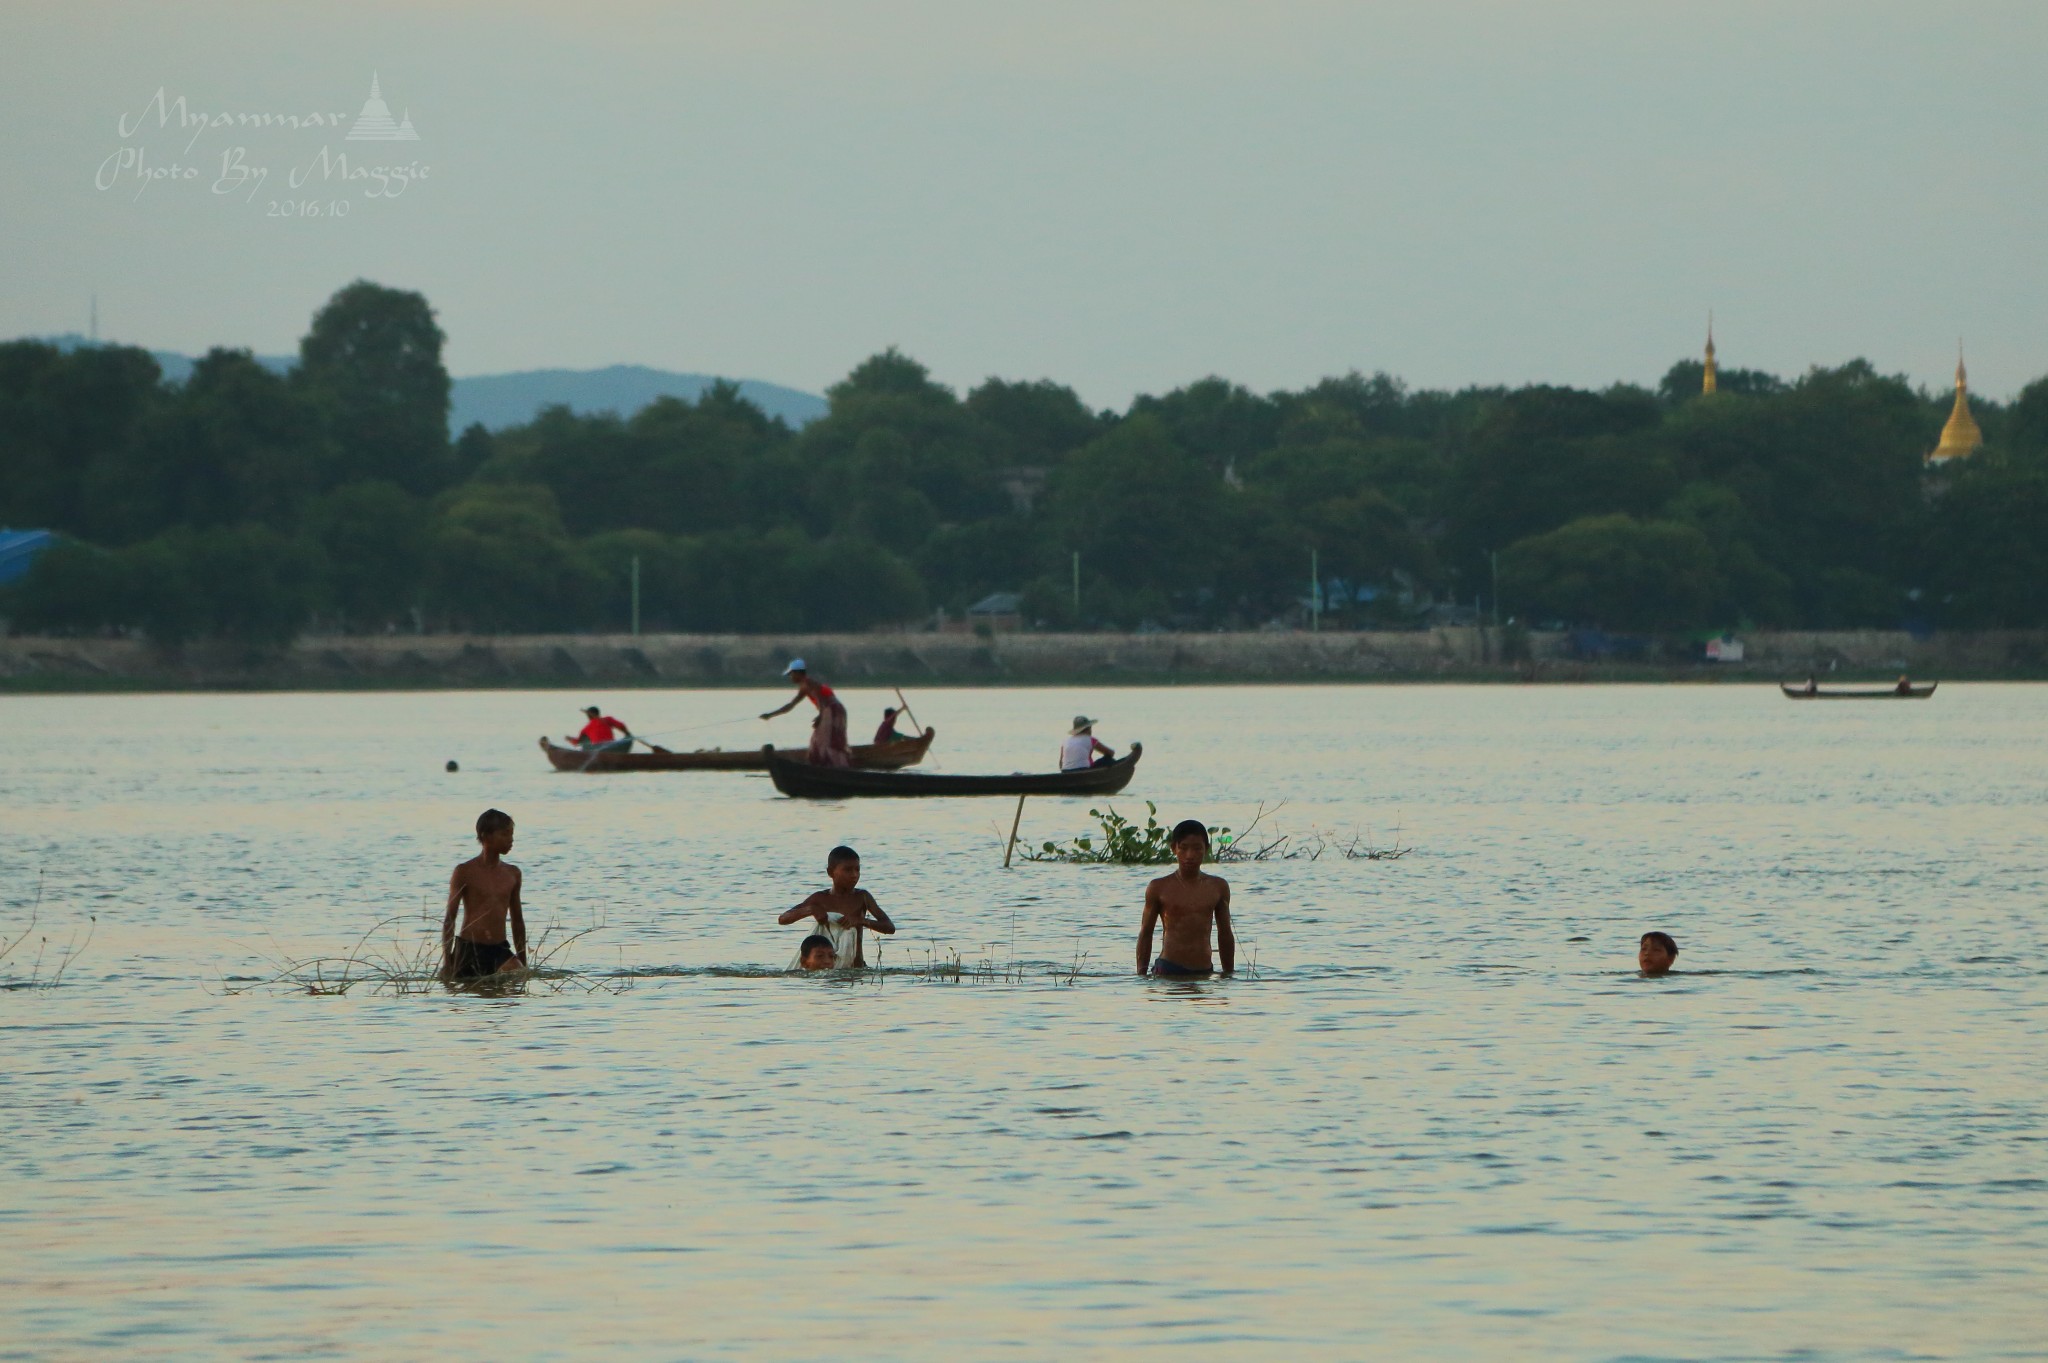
{"x":579,"y":662}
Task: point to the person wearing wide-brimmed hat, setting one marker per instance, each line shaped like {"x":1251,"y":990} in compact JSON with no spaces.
{"x":1083,"y":749}
{"x":828,"y":730}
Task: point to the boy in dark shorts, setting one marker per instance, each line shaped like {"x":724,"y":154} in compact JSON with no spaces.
{"x":486,"y":889}
{"x":1191,"y":902}
{"x":854,"y":907}
{"x":1657,"y":953}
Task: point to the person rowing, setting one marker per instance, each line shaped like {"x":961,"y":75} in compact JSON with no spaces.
{"x":601,"y":733}
{"x":828,"y":731}
{"x":888,"y":732}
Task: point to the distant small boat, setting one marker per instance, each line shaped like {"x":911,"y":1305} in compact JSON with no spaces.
{"x":801,"y":779}
{"x":1913,"y":692}
{"x":906,"y":752}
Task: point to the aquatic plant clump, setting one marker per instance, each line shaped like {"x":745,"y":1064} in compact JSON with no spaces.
{"x":1121,"y":842}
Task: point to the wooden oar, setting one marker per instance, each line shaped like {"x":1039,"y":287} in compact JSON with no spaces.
{"x":906,"y":710}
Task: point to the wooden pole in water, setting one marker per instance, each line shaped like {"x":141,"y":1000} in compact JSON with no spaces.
{"x":1011,"y":846}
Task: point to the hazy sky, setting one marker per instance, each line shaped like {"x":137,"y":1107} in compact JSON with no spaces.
{"x":1120,"y":196}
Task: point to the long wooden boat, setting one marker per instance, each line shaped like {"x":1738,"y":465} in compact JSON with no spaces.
{"x":807,"y":782}
{"x":876,"y":756}
{"x":1913,"y":692}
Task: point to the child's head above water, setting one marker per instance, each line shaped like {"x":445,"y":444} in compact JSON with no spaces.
{"x":1656,"y":953}
{"x":494,"y":830}
{"x":816,"y":953}
{"x":842,"y":864}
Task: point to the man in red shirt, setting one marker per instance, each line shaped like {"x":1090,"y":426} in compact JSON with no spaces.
{"x":601,"y":731}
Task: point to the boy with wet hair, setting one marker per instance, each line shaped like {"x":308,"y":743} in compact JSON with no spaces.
{"x":1656,"y":953}
{"x":1192,"y":903}
{"x":854,"y":907}
{"x":816,"y":954}
{"x":486,"y":889}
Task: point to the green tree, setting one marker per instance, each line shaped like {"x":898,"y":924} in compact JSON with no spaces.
{"x":372,"y":360}
{"x":1988,"y":548}
{"x":375,"y":537}
{"x":64,"y":416}
{"x":1147,"y":516}
{"x":1613,"y":571}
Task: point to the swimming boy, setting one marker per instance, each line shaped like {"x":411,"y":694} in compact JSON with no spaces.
{"x":816,"y":954}
{"x":855,"y":907}
{"x":1192,"y":902}
{"x":1656,"y":953}
{"x":486,"y":889}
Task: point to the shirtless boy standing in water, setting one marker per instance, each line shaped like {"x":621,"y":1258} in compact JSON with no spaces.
{"x":856,"y":908}
{"x":486,"y":889}
{"x":1191,"y":901}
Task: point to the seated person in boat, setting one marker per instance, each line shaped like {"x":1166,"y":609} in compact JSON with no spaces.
{"x":1191,"y":902}
{"x":888,"y":732}
{"x":828,"y":731}
{"x":486,"y":891}
{"x":1905,"y":686}
{"x":816,"y":954}
{"x":1082,"y":749}
{"x":602,"y":731}
{"x":1656,"y":953}
{"x":845,"y":906}
{"x":1812,"y":687}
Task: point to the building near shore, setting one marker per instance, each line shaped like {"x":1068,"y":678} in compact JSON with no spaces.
{"x":1710,"y":380}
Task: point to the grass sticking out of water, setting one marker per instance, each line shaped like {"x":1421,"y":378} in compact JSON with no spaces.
{"x":410,"y":963}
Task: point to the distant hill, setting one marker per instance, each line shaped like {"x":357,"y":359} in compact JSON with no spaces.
{"x":501,"y":400}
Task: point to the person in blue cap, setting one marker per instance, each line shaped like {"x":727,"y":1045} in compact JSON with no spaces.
{"x":828,"y":730}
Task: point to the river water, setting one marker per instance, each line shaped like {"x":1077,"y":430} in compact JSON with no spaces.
{"x":1442,"y":1118}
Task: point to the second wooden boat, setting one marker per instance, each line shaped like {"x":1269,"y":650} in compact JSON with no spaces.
{"x":807,"y":782}
{"x":879,"y":756}
{"x":1858,"y":692}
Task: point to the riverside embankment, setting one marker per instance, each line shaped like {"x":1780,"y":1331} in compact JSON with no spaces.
{"x":578,"y":660}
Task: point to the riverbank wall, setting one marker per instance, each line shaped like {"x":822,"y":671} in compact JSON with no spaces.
{"x":901,"y":659}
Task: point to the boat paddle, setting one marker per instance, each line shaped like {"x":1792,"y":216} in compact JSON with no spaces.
{"x":906,"y":710}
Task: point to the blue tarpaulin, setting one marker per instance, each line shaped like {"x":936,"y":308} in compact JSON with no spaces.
{"x":18,"y":550}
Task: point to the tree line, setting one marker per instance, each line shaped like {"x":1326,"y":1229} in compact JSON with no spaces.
{"x":249,"y":505}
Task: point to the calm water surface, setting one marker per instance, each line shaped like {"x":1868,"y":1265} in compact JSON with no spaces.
{"x":1443,"y":1119}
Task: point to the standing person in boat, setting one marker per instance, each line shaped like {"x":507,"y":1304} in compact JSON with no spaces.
{"x":828,"y":730}
{"x":1082,"y":749}
{"x":602,"y":732}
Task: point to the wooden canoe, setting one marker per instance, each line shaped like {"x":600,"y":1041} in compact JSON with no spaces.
{"x":882,"y":756}
{"x":1858,"y":692}
{"x":801,"y":779}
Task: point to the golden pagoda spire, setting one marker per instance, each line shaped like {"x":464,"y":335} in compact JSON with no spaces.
{"x":1709,"y":384}
{"x":1960,"y":437}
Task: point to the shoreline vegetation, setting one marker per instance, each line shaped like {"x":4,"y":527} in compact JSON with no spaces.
{"x":579,"y":662}
{"x":243,"y":509}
